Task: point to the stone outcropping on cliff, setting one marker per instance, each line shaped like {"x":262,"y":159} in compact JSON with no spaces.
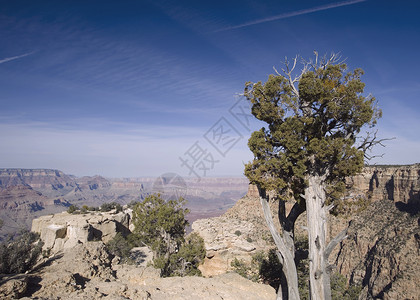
{"x":64,"y":231}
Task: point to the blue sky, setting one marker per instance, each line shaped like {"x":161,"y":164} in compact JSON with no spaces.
{"x":134,"y":88}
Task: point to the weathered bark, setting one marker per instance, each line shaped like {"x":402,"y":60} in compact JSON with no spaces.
{"x":316,"y":210}
{"x":285,"y":255}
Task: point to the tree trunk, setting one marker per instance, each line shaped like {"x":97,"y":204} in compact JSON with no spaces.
{"x":286,"y":257}
{"x":317,"y":231}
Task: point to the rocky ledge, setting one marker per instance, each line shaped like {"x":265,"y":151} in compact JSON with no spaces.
{"x":88,"y":271}
{"x":64,"y":231}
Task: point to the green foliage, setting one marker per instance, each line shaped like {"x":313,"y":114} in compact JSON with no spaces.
{"x":106,"y":207}
{"x":119,"y":246}
{"x":264,"y":267}
{"x":132,"y":204}
{"x":240,"y":267}
{"x":312,"y":127}
{"x":161,"y":225}
{"x":19,"y":254}
{"x":238,"y":233}
{"x":185,"y":262}
{"x":302,"y":266}
{"x":340,"y":290}
{"x":270,"y":269}
{"x":72,"y":209}
{"x":1,"y":223}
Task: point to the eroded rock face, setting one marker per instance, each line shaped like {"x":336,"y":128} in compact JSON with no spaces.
{"x":382,"y":251}
{"x":64,"y":230}
{"x":400,"y":184}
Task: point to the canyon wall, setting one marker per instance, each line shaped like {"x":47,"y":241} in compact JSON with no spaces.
{"x":383,"y":244}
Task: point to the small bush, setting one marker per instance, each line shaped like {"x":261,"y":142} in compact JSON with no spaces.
{"x":192,"y":252}
{"x":72,"y":209}
{"x":132,"y":204}
{"x":249,"y":240}
{"x":20,"y":253}
{"x":240,"y":267}
{"x":340,"y":290}
{"x":119,"y":246}
{"x":105,"y":207}
{"x":238,"y":233}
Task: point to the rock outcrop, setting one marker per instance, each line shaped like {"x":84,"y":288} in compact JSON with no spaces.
{"x":64,"y":231}
{"x":239,"y":233}
{"x":88,"y":271}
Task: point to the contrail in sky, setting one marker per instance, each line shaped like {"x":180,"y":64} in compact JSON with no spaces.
{"x":293,"y":14}
{"x":14,"y":57}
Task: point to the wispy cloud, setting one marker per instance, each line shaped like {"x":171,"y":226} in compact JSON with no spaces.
{"x":14,"y":57}
{"x":292,"y":14}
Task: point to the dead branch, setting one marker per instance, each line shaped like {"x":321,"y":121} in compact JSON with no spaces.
{"x":331,"y":245}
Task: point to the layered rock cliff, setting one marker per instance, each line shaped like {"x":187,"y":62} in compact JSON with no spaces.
{"x":400,"y":184}
{"x":381,"y":252}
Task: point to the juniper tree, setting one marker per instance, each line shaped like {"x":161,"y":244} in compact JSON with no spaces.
{"x":311,"y":144}
{"x":161,"y":225}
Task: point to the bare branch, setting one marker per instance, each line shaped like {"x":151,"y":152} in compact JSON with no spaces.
{"x":331,"y":245}
{"x":369,"y":142}
{"x":329,"y":207}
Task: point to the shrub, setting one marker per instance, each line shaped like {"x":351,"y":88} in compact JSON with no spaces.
{"x":20,"y":253}
{"x":119,"y":246}
{"x":105,"y":207}
{"x":238,"y":233}
{"x":240,"y":267}
{"x":161,"y":225}
{"x":72,"y":209}
{"x":340,"y":290}
{"x":192,"y":252}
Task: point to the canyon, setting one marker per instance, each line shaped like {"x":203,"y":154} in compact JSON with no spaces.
{"x":380,"y":253}
{"x":29,"y":193}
